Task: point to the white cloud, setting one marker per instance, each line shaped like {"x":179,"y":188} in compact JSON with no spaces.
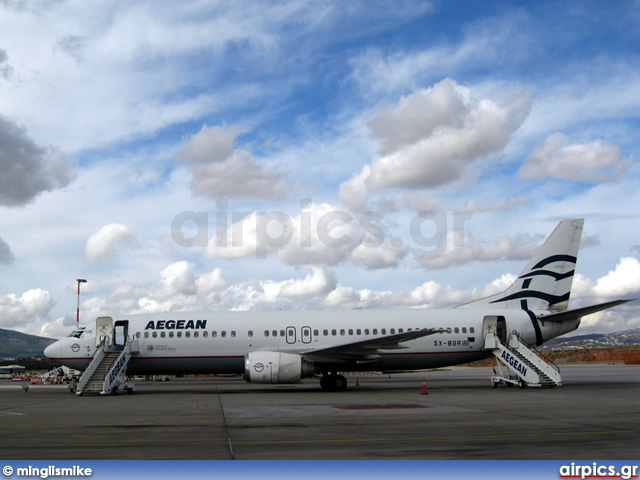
{"x":27,"y":168}
{"x":321,"y":234}
{"x":211,"y":282}
{"x":6,"y":255}
{"x":486,"y":43}
{"x":598,"y":161}
{"x":175,"y":280}
{"x":107,"y":240}
{"x":459,"y":247}
{"x":318,"y":283}
{"x":6,"y":70}
{"x":219,"y":170}
{"x":623,"y":282}
{"x":26,"y":312}
{"x":210,"y":144}
{"x":430,"y":137}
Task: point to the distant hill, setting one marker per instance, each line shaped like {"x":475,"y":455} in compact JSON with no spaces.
{"x":595,"y":340}
{"x":15,"y":344}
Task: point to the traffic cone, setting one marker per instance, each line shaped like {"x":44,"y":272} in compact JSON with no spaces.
{"x":424,"y":387}
{"x":357,"y":381}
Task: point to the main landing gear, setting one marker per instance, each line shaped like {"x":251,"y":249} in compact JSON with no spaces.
{"x":330,"y":382}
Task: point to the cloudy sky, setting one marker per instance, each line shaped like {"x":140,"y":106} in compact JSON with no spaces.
{"x":311,"y":154}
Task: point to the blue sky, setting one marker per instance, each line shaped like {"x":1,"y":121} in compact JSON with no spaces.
{"x":264,"y":155}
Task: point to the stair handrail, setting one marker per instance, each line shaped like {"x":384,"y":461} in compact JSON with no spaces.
{"x":95,"y":360}
{"x":536,"y":351}
{"x":117,"y":367}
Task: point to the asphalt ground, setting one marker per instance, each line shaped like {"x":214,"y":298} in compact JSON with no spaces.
{"x":594,"y":415}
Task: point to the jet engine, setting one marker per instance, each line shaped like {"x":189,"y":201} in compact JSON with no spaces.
{"x":276,"y":367}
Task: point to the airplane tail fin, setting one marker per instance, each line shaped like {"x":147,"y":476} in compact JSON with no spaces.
{"x":545,"y":284}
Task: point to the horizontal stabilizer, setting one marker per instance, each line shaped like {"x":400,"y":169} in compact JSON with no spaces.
{"x":581,"y":312}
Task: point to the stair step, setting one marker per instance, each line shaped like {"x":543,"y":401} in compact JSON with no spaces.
{"x":544,"y":378}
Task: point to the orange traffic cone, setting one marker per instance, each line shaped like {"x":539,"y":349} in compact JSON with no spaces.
{"x":424,"y":387}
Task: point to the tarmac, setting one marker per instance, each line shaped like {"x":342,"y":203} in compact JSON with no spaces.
{"x":594,"y":415}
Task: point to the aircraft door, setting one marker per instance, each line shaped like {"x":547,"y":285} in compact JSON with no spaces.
{"x":120,"y":334}
{"x":104,"y":329}
{"x":291,"y":334}
{"x":501,"y":329}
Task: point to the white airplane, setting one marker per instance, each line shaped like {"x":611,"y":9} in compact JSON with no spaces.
{"x":286,"y":346}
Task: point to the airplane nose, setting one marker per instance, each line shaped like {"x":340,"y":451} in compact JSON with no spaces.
{"x":53,"y":350}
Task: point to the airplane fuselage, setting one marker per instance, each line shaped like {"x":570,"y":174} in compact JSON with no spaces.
{"x":217,"y":342}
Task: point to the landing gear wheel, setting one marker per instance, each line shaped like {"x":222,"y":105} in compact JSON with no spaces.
{"x":331,"y":382}
{"x":522,"y":384}
{"x":325,"y":384}
{"x":340,"y":383}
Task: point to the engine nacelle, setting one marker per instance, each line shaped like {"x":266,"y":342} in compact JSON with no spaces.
{"x":276,"y":367}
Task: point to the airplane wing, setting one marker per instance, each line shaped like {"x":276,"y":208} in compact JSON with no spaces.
{"x":581,"y":312}
{"x":366,"y":350}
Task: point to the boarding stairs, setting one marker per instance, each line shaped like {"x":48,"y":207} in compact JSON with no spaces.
{"x":525,"y":366}
{"x":105,"y":373}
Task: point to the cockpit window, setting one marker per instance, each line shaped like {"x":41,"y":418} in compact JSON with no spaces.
{"x":80,"y":333}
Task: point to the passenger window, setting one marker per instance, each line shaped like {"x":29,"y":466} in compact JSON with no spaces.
{"x":205,"y":334}
{"x":375,"y":331}
{"x":392,"y":331}
{"x":325,"y":332}
{"x":282,"y":333}
{"x":266,"y":333}
{"x":146,"y":334}
{"x":170,"y":334}
{"x":223,"y":333}
{"x":274,"y":333}
{"x":342,"y":331}
{"x":214,"y":334}
{"x":456,"y":330}
{"x":471,"y":329}
{"x":350,"y":331}
{"x":366,"y":331}
{"x":464,"y":329}
{"x":384,"y":331}
{"x":316,"y":333}
{"x":233,"y":333}
{"x":400,"y":330}
{"x":162,"y":334}
{"x":187,"y":334}
{"x":250,"y":333}
{"x":358,"y":332}
{"x":179,"y":334}
{"x":154,"y":334}
{"x":196,"y":334}
{"x":334,"y":332}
